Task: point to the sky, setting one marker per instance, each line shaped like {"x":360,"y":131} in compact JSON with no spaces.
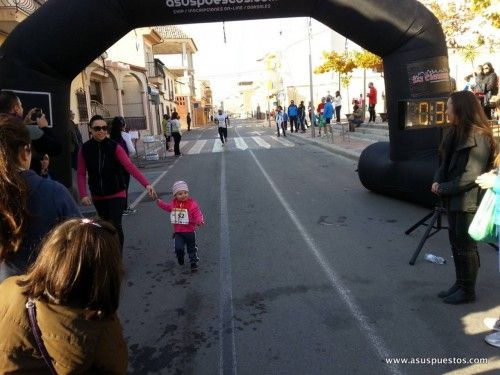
{"x":226,"y":63}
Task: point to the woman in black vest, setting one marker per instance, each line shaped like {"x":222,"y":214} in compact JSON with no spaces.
{"x":105,"y":161}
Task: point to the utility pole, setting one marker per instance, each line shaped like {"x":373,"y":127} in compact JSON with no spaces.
{"x":309,"y":28}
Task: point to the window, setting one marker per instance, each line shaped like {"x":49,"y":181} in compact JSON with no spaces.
{"x":95,"y":91}
{"x":81,"y":101}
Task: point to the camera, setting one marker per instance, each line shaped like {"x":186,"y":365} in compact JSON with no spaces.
{"x":37,"y":113}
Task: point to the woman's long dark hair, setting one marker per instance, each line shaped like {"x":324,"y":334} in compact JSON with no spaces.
{"x":13,"y":187}
{"x":469,"y":117}
{"x":79,"y":265}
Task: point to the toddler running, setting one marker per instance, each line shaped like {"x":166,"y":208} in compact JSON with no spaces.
{"x":185,"y":215}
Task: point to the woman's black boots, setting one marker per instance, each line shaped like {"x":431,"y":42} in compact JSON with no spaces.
{"x":467,"y":265}
{"x":458,"y":282}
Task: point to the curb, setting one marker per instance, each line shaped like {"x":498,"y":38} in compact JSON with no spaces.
{"x":349,"y":154}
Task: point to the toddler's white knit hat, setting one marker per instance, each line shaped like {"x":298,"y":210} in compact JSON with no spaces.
{"x":179,"y":186}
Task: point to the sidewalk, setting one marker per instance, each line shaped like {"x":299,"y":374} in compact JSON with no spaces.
{"x":345,"y":145}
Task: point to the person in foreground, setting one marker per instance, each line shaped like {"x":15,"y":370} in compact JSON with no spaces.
{"x":185,"y":216}
{"x":74,"y":287}
{"x":30,"y":205}
{"x":467,"y":151}
{"x":491,"y":180}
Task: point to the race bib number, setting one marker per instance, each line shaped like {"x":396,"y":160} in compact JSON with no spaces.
{"x":179,"y":216}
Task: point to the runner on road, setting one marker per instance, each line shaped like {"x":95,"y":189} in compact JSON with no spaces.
{"x":223,"y":121}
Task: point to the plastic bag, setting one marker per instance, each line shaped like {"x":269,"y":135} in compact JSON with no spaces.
{"x":483,"y":226}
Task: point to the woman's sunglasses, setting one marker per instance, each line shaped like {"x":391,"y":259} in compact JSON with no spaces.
{"x":99,"y":128}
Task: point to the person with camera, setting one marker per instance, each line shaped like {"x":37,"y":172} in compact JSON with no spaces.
{"x":467,"y":151}
{"x":43,"y":139}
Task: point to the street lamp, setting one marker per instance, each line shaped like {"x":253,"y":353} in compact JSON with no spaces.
{"x":104,"y":56}
{"x":309,"y":29}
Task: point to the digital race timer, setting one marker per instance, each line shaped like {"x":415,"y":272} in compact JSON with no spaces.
{"x":423,"y":113}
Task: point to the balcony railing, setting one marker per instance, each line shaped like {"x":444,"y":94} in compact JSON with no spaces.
{"x":27,"y":6}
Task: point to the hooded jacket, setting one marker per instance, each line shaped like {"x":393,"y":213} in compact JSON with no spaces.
{"x":75,"y":344}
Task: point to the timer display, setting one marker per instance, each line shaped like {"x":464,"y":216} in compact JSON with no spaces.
{"x":423,"y":113}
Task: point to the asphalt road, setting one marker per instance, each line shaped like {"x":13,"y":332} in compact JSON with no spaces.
{"x":302,"y":271}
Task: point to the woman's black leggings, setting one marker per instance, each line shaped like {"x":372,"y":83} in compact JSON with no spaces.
{"x":112,"y":210}
{"x":458,"y":225}
{"x":177,"y":142}
{"x":337,"y":112}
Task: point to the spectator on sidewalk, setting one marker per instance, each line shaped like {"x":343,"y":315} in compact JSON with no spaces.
{"x":478,"y":85}
{"x":490,"y":84}
{"x":188,"y":120}
{"x":356,"y":118}
{"x":293,"y":114}
{"x":338,"y":105}
{"x":105,"y":160}
{"x":43,"y":139}
{"x":319,"y":111}
{"x":328,"y":115}
{"x":71,"y":293}
{"x":468,"y":82}
{"x":165,"y":125}
{"x":29,"y":205}
{"x":280,"y":123}
{"x":44,"y":168}
{"x":302,"y":116}
{"x":491,"y":180}
{"x":372,"y":102}
{"x":467,"y":152}
{"x":119,"y":135}
{"x":175,"y":132}
{"x":76,"y":141}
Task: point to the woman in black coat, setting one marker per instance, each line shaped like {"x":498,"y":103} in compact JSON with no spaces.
{"x":490,"y":86}
{"x":467,"y":151}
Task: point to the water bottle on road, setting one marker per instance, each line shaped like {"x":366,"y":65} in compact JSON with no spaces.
{"x":434,"y":259}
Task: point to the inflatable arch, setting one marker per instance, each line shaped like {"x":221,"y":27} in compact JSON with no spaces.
{"x":36,"y":58}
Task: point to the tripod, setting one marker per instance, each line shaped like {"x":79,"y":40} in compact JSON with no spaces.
{"x":435,"y":223}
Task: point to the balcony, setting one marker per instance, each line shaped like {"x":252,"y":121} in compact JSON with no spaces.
{"x":13,"y":12}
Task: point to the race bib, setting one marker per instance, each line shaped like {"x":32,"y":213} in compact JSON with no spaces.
{"x":179,"y":216}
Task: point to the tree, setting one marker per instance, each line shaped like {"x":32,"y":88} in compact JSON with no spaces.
{"x":333,"y":61}
{"x":367,"y":60}
{"x":342,"y":63}
{"x":468,"y":24}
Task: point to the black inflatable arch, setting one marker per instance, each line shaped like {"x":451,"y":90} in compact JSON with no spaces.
{"x":46,"y":51}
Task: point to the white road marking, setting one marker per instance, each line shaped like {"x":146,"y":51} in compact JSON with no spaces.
{"x":240,"y":143}
{"x":217,"y":146}
{"x":261,"y":142}
{"x":284,"y":142}
{"x":196,"y":149}
{"x":227,"y":348}
{"x":376,"y":341}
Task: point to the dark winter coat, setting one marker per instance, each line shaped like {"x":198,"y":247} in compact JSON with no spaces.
{"x":461,"y":165}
